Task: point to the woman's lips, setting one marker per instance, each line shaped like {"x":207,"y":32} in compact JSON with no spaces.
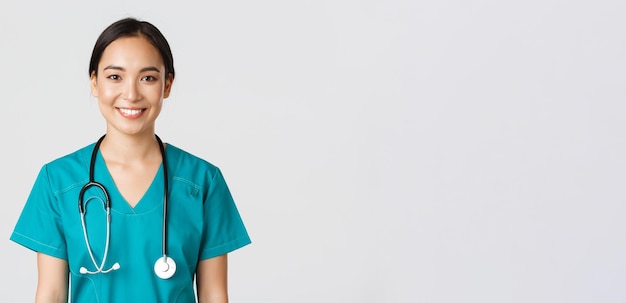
{"x":131,"y":113}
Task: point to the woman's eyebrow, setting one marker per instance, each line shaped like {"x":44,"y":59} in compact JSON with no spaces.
{"x":145,"y":69}
{"x":114,"y":67}
{"x":150,"y":69}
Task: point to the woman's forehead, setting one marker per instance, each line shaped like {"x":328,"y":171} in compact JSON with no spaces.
{"x":129,"y":52}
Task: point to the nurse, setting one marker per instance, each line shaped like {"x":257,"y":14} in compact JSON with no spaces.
{"x":153,"y":200}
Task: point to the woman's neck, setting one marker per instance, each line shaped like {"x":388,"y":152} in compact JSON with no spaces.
{"x":121,"y":148}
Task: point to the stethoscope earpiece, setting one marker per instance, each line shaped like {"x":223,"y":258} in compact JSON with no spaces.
{"x":83,"y":270}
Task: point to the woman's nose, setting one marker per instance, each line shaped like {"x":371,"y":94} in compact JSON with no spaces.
{"x":131,"y":91}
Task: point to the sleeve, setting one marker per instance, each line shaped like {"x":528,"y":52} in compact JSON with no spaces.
{"x":39,"y":227}
{"x":223,"y":229}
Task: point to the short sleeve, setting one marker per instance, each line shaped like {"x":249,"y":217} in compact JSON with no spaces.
{"x":39,"y":227}
{"x":223,"y":229}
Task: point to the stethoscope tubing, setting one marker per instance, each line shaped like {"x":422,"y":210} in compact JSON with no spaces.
{"x":106,"y":245}
{"x":165,"y":194}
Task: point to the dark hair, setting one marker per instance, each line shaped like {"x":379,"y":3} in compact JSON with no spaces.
{"x":131,"y":27}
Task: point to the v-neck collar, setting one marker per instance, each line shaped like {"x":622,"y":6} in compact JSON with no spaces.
{"x":151,"y":199}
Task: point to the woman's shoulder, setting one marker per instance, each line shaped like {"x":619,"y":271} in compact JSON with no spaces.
{"x":191,"y":170}
{"x":188,"y":161}
{"x":79,"y":157}
{"x":68,"y":171}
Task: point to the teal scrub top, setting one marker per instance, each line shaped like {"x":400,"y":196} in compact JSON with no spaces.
{"x":203,"y":222}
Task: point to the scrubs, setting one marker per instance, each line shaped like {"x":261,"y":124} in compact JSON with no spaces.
{"x":203,"y":222}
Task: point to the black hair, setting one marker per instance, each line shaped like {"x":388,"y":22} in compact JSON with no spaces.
{"x":131,"y":27}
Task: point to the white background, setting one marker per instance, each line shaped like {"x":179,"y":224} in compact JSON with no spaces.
{"x":379,"y":151}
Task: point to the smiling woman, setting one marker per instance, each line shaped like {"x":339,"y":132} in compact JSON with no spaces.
{"x":130,"y":83}
{"x":168,"y":216}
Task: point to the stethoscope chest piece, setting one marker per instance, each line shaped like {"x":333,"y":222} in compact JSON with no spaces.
{"x":165,"y":267}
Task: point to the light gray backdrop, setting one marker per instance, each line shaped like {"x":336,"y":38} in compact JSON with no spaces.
{"x":379,"y":151}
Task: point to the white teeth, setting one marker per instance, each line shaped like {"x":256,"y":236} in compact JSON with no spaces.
{"x":130,"y":112}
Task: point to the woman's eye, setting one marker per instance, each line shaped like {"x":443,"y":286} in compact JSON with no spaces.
{"x":148,"y":78}
{"x":114,"y":77}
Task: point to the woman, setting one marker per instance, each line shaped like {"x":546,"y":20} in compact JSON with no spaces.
{"x":171,"y":214}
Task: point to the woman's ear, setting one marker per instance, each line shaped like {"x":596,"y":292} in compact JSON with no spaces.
{"x":168,"y":85}
{"x":93,"y":79}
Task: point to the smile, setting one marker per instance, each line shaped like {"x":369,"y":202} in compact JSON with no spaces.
{"x":130,"y":112}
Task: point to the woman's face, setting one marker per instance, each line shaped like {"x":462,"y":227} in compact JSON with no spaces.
{"x":131,"y":85}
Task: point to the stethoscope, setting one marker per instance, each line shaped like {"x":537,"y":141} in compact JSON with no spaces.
{"x":164,"y":267}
